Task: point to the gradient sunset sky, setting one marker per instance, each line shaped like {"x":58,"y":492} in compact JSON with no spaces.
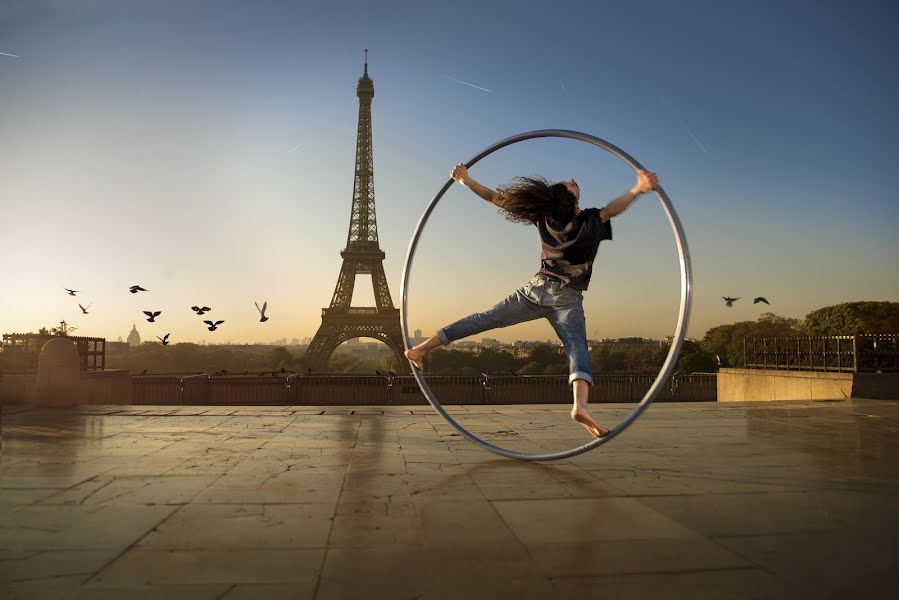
{"x":205,"y":151}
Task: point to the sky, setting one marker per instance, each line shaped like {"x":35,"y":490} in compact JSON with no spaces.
{"x":205,"y":151}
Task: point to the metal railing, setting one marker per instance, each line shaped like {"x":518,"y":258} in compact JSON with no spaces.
{"x":358,"y":390}
{"x":873,"y":353}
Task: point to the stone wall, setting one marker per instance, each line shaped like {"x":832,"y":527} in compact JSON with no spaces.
{"x":739,"y":385}
{"x":876,"y":386}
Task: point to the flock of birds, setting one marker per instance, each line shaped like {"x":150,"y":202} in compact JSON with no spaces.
{"x":152,"y":314}
{"x":729,"y":302}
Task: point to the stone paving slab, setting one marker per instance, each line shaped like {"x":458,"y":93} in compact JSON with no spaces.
{"x":766,"y":500}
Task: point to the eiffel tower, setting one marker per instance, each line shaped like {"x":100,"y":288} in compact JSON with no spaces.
{"x":340,"y":321}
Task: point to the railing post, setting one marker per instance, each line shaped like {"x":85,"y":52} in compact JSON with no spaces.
{"x":854,"y":354}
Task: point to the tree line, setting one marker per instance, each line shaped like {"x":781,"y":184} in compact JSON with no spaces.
{"x":722,"y":346}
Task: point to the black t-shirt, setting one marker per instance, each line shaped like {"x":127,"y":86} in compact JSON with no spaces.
{"x":568,"y":249}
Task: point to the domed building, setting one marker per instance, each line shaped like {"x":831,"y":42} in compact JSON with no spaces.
{"x":134,"y":337}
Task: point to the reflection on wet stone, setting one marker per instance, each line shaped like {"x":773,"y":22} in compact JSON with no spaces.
{"x":781,"y":500}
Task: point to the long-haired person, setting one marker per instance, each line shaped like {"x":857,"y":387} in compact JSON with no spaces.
{"x":569,"y":238}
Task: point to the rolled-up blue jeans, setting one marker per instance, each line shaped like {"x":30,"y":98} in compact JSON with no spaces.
{"x":564,"y":308}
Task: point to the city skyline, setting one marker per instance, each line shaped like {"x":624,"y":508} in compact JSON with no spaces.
{"x":416,"y":337}
{"x":218,"y":169}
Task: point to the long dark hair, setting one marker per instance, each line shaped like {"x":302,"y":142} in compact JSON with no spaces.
{"x":532,"y":199}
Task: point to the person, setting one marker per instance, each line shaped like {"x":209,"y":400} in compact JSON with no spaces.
{"x":569,"y":238}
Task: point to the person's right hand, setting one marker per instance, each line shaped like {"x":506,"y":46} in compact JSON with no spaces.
{"x":646,"y":180}
{"x":459,"y":173}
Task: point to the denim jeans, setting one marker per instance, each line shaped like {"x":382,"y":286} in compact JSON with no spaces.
{"x":538,"y":298}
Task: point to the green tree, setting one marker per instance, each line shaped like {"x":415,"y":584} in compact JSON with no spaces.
{"x":608,"y":361}
{"x":726,"y":341}
{"x":451,"y":362}
{"x":852,"y":318}
{"x":547,"y":354}
{"x":279,"y":358}
{"x":497,"y":361}
{"x":532,"y":368}
{"x":63,"y":329}
{"x":693,"y":358}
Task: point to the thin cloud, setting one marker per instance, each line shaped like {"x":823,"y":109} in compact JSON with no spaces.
{"x":661,"y":98}
{"x":294,"y":148}
{"x":477,"y":87}
{"x":8,"y":54}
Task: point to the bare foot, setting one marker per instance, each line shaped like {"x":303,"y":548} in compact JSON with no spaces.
{"x":583,"y":417}
{"x":415,"y":357}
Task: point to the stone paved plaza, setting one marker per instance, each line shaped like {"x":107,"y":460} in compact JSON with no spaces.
{"x":764,"y":500}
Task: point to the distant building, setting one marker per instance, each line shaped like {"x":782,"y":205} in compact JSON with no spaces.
{"x":295,"y":342}
{"x":490,"y":343}
{"x":21,"y":350}
{"x":134,"y":337}
{"x":473,"y":347}
{"x":628,"y":343}
{"x":119,"y":340}
{"x":670,"y":338}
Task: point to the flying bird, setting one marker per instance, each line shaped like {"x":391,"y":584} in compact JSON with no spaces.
{"x":760,"y":299}
{"x":263,"y":318}
{"x":151,"y":316}
{"x":213,"y":326}
{"x":135,"y":289}
{"x":729,"y":302}
{"x":84,"y":309}
{"x":200,"y":309}
{"x":164,"y":340}
{"x":71,"y":292}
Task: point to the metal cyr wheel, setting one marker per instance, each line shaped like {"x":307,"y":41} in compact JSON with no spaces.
{"x":683,"y":316}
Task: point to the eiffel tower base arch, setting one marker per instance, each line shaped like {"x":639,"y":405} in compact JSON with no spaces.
{"x":341,"y":325}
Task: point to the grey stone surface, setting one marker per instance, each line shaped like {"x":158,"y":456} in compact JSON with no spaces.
{"x":772,"y":500}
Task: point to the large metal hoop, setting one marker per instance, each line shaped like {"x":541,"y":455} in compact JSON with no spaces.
{"x":683,"y":316}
